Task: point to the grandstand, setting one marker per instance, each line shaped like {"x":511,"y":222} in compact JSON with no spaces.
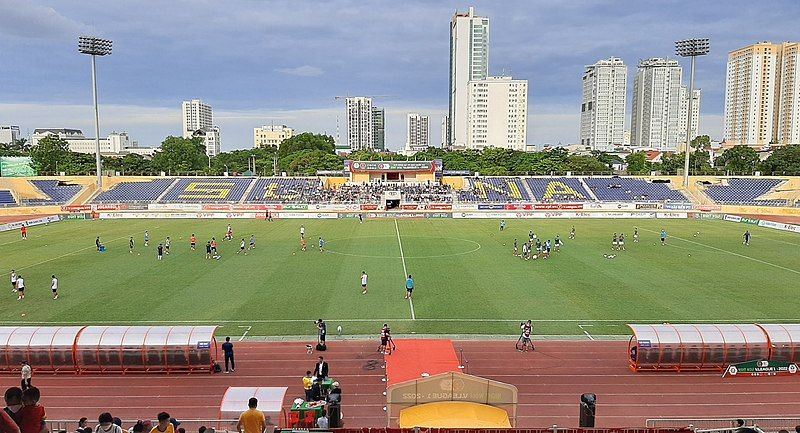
{"x":207,"y":190}
{"x":631,"y":189}
{"x":745,"y":191}
{"x":558,"y":189}
{"x":7,"y":198}
{"x":494,"y":190}
{"x":133,"y":192}
{"x":57,"y":192}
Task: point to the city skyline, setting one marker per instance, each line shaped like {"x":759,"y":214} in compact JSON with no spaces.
{"x":294,"y":77}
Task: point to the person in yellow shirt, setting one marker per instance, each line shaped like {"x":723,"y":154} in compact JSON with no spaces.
{"x":252,"y":420}
{"x":164,"y":425}
{"x":307,"y":382}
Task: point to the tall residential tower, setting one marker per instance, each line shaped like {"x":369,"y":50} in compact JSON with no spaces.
{"x":498,"y":113}
{"x":359,"y":123}
{"x":469,"y":61}
{"x":418,"y":132}
{"x":603,"y":107}
{"x":655,"y":117}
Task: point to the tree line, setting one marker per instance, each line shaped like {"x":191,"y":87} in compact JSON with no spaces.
{"x":308,"y":153}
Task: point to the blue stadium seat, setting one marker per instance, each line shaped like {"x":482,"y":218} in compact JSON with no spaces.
{"x":557,"y":189}
{"x":284,"y":190}
{"x":208,"y":190}
{"x":494,"y":189}
{"x":7,"y":199}
{"x":745,"y":191}
{"x":632,"y":189}
{"x":59,"y":192}
{"x":133,"y":192}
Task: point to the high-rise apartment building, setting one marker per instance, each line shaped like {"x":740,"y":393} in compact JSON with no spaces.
{"x":417,"y":132}
{"x":498,"y":113}
{"x":271,"y":135}
{"x":603,"y":107}
{"x":359,"y":123}
{"x":378,"y":129}
{"x":684,"y":115}
{"x":445,"y":131}
{"x":9,"y":134}
{"x":655,"y":117}
{"x":469,"y":61}
{"x":762,"y":95}
{"x":196,"y":115}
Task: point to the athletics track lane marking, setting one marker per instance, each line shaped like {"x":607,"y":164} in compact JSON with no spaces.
{"x":405,"y":270}
{"x":245,"y":331}
{"x":729,"y":252}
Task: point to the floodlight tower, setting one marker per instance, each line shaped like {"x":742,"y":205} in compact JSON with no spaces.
{"x":95,"y":47}
{"x":690,"y":48}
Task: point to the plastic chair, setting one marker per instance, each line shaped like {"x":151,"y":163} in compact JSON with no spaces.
{"x":309,"y":419}
{"x":294,"y":419}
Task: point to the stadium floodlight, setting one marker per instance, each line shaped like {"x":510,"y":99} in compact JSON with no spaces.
{"x":690,"y":48}
{"x":95,"y":47}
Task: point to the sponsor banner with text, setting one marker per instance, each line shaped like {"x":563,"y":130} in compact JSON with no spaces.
{"x":306,"y":215}
{"x":779,"y":226}
{"x":30,"y":222}
{"x":176,"y":206}
{"x":438,"y":215}
{"x":440,"y":206}
{"x":369,"y":207}
{"x":732,"y":218}
{"x":491,"y":207}
{"x":648,"y":206}
{"x":672,"y":215}
{"x":678,"y":206}
{"x":76,"y":208}
{"x":710,"y":208}
{"x":609,"y":206}
{"x":557,"y":206}
{"x":409,"y":207}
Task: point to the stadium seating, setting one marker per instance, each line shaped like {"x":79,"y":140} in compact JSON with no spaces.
{"x":745,"y":191}
{"x":208,"y":190}
{"x":555,"y":189}
{"x":7,"y":199}
{"x":494,"y":189}
{"x":631,"y":189}
{"x":283,"y":190}
{"x":58,"y":192}
{"x":132,"y":192}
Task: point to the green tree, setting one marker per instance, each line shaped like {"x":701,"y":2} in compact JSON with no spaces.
{"x":180,"y":155}
{"x":585,"y":164}
{"x":606,"y":158}
{"x":702,"y":142}
{"x":51,"y":155}
{"x":306,"y":141}
{"x":785,"y":160}
{"x":738,"y":159}
{"x":308,"y":162}
{"x":637,"y":163}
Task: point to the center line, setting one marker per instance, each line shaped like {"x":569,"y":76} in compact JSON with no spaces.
{"x":405,"y":270}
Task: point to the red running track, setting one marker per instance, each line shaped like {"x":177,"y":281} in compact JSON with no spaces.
{"x":550,"y":383}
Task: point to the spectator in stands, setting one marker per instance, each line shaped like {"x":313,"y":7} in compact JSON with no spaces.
{"x":13,"y":398}
{"x":138,"y":428}
{"x":164,"y":425}
{"x":797,"y":429}
{"x":227,"y":349}
{"x":252,"y":420}
{"x":106,"y":424}
{"x":322,"y":421}
{"x":31,"y":418}
{"x":82,"y":424}
{"x":181,"y":430}
{"x":741,"y":428}
{"x":307,"y":382}
{"x":117,"y":421}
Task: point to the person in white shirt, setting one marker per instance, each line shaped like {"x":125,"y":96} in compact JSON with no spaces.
{"x":20,"y":288}
{"x":302,"y":232}
{"x":13,"y":281}
{"x":363,"y":282}
{"x":322,"y":421}
{"x":27,"y":373}
{"x":54,"y":287}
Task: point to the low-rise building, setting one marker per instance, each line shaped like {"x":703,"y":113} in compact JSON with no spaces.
{"x":271,"y":135}
{"x":116,"y":144}
{"x":9,"y":134}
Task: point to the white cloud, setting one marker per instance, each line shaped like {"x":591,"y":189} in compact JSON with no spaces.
{"x":28,"y":20}
{"x":302,"y":71}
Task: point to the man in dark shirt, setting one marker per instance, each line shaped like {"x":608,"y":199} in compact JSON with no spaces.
{"x":227,"y":348}
{"x":13,"y":399}
{"x":321,"y":369}
{"x":740,"y":427}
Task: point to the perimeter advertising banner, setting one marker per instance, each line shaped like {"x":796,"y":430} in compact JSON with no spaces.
{"x":761,"y":368}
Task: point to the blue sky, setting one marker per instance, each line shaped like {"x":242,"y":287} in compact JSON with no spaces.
{"x":262,"y":62}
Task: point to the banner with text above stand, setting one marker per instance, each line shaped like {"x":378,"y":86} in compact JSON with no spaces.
{"x":761,"y":368}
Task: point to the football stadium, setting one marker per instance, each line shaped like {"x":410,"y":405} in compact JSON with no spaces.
{"x":436,"y":301}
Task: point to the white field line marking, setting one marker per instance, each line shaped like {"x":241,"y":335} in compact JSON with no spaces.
{"x":728,"y":252}
{"x":19,"y":240}
{"x":245,"y":332}
{"x":581,"y":325}
{"x":405,"y":270}
{"x":383,"y":319}
{"x":71,"y":253}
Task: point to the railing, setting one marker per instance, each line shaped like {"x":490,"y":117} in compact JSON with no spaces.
{"x":769,"y":425}
{"x":191,"y":425}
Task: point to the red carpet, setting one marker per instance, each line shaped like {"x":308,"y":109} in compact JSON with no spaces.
{"x":414,"y":357}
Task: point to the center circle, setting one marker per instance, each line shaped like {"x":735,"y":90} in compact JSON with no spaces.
{"x":348,"y":246}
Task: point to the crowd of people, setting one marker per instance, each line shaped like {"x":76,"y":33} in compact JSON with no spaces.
{"x":309,"y":192}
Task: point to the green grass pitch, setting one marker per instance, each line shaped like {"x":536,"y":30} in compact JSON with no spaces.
{"x":467,"y":281}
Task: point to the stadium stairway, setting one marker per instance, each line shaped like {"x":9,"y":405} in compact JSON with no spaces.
{"x":529,"y":191}
{"x":248,"y":191}
{"x":166,"y":191}
{"x":588,"y":190}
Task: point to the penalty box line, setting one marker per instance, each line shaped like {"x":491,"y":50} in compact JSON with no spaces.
{"x":405,"y":270}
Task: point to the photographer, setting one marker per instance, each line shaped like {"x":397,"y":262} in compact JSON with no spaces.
{"x":322,"y":331}
{"x":525,"y":337}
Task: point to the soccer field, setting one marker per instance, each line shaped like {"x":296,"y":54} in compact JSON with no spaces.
{"x":467,"y":281}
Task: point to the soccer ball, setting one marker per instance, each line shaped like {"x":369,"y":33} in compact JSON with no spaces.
{"x":292,"y":252}
{"x":138,"y":254}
